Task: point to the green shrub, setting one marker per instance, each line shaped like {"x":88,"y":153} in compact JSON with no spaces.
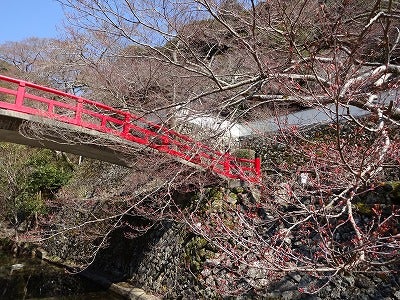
{"x":28,"y":177}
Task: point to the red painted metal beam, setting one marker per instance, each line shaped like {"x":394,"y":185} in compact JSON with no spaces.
{"x":71,"y":109}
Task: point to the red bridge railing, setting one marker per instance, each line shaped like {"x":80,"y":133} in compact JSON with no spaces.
{"x":33,"y":99}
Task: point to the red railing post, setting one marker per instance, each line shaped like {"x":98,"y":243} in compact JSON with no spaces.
{"x":257,"y":164}
{"x":78,"y":112}
{"x":126,"y":126}
{"x":19,"y":100}
{"x":227,"y":165}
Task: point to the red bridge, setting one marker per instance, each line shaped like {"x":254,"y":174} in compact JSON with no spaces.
{"x":21,"y":100}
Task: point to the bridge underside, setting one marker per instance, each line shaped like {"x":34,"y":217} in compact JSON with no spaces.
{"x":80,"y":141}
{"x":71,"y":139}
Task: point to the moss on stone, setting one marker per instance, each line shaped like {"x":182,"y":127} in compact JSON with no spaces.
{"x":244,"y":153}
{"x":364,"y":209}
{"x":216,"y":200}
{"x":394,"y":194}
{"x":197,"y":251}
{"x":238,"y":190}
